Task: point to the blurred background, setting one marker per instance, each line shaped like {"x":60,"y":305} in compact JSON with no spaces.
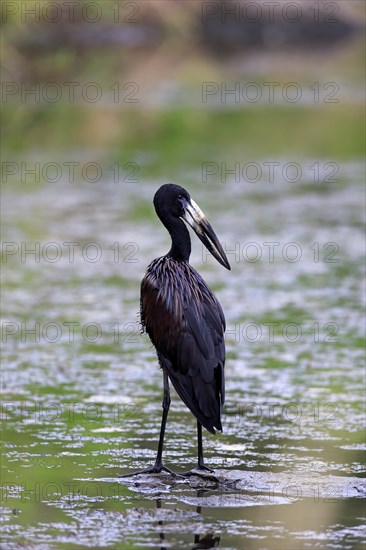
{"x":129,"y":82}
{"x":257,"y":108}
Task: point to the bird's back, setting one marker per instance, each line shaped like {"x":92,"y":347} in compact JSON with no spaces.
{"x":186,"y":324}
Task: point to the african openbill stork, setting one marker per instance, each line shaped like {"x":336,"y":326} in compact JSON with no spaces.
{"x":184,"y":320}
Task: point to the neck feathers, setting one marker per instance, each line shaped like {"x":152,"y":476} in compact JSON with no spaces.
{"x":181,"y":241}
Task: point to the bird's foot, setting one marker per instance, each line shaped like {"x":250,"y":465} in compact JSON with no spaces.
{"x":196,"y":471}
{"x":205,"y":468}
{"x":156,"y":469}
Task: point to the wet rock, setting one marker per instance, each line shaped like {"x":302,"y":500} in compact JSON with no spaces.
{"x":237,"y":488}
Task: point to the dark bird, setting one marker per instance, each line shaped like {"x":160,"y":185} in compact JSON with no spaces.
{"x":184,"y":320}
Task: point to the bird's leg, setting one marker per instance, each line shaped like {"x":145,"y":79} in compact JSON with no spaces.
{"x":166,"y":404}
{"x":201,"y":465}
{"x":159,"y":466}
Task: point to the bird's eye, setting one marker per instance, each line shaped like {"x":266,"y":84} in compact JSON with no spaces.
{"x":180,"y":197}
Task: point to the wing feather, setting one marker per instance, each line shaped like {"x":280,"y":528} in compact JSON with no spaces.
{"x":186,"y":324}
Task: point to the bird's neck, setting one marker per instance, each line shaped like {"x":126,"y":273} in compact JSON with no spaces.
{"x":181,"y":241}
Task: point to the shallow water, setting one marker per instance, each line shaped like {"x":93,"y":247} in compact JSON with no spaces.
{"x":82,"y":390}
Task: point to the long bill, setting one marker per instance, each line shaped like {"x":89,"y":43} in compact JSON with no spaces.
{"x":197,"y":220}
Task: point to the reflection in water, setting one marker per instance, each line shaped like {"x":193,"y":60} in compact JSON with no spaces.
{"x":200,"y":542}
{"x":208,"y":541}
{"x":160,"y":522}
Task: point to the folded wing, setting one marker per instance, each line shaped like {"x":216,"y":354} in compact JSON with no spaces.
{"x":186,"y":325}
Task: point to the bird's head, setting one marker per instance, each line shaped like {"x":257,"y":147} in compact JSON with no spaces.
{"x":172,"y":200}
